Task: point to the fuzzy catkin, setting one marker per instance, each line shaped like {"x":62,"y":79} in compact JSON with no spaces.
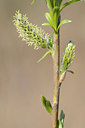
{"x":32,"y":34}
{"x":68,"y":56}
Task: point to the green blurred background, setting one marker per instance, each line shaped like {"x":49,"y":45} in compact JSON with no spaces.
{"x":23,"y":81}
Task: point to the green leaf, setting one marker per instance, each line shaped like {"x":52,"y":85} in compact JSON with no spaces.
{"x":58,"y":2}
{"x":59,"y":124}
{"x":69,"y":3}
{"x":44,"y":56}
{"x":48,"y":17}
{"x":70,"y":71}
{"x":33,"y":2}
{"x":50,"y":5}
{"x":63,"y":22}
{"x":61,"y":121}
{"x":62,"y":115}
{"x":47,"y":104}
{"x":55,"y":9}
{"x":46,"y":24}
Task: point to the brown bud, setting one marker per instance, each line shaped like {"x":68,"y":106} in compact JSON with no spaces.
{"x":62,"y":77}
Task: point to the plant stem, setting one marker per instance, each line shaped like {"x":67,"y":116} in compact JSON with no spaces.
{"x":56,"y":63}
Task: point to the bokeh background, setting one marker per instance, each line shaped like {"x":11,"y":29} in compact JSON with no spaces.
{"x":23,"y":81}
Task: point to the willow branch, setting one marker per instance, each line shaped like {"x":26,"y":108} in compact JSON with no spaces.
{"x":56,"y":63}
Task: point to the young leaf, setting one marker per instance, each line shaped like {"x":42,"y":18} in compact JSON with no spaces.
{"x":62,"y":115}
{"x":48,"y":17}
{"x":50,"y":4}
{"x":46,"y":24}
{"x":59,"y":124}
{"x":55,"y":9}
{"x":33,"y":1}
{"x":61,"y":121}
{"x":44,"y":56}
{"x":47,"y":104}
{"x":63,"y":22}
{"x":70,"y":71}
{"x":58,"y":3}
{"x":69,"y":3}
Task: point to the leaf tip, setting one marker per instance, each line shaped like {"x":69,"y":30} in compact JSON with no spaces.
{"x":33,"y":2}
{"x":70,"y":21}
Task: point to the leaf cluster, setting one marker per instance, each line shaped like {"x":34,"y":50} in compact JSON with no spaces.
{"x":55,"y":7}
{"x":48,"y":108}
